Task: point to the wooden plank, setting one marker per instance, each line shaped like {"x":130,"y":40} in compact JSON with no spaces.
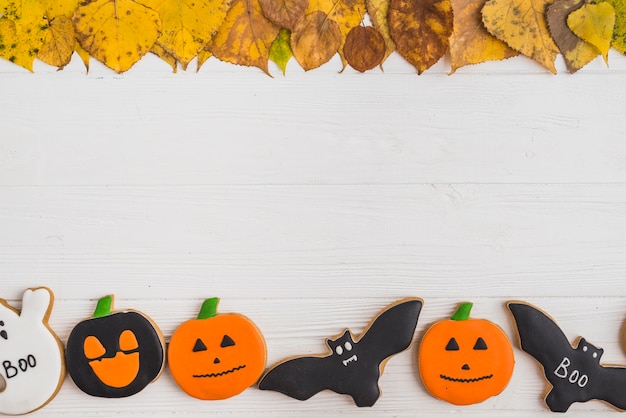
{"x":320,"y":241}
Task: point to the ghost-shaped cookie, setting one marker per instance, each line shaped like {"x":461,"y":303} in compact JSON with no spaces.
{"x":32,"y":365}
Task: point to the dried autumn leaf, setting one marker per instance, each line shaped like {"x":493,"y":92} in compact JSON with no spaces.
{"x":315,"y":40}
{"x":576,"y":52}
{"x":470,"y":42}
{"x":246,"y":36}
{"x":347,"y":13}
{"x":84,"y":55}
{"x":23,"y":28}
{"x":203,"y":56}
{"x":364,"y":48}
{"x":421,"y":30}
{"x":158,"y":50}
{"x":116,"y":32}
{"x":522,"y":25}
{"x":619,"y":31}
{"x":285,"y":13}
{"x":594,"y":23}
{"x":378,"y":11}
{"x":280,"y":51}
{"x":59,"y":43}
{"x":188,"y":25}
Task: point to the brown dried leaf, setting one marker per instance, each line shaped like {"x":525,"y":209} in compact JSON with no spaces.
{"x":364,"y":48}
{"x":285,"y":13}
{"x":315,"y":40}
{"x":470,"y":42}
{"x":347,"y":13}
{"x":522,"y":25}
{"x":378,"y":11}
{"x":246,"y":36}
{"x":576,"y":52}
{"x":421,"y":30}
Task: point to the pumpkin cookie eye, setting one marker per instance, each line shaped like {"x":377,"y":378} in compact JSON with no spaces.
{"x":199,"y":346}
{"x":128,"y":341}
{"x":452,"y":345}
{"x":227,"y":342}
{"x":93,"y":348}
{"x":480,"y":344}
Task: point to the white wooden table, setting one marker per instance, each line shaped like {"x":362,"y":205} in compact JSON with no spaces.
{"x":309,"y":202}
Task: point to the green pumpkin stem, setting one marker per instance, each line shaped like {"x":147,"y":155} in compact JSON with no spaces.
{"x":463,"y":312}
{"x":104,"y":307}
{"x":209,"y":308}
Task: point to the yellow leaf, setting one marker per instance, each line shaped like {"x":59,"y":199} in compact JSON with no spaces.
{"x":116,"y":32}
{"x":619,"y":31}
{"x":203,"y":56}
{"x":470,"y":42}
{"x":315,"y":40}
{"x":576,"y":52}
{"x":522,"y":25}
{"x":421,"y":30}
{"x":246,"y":36}
{"x":594,"y":23}
{"x":84,"y":55}
{"x":347,"y":13}
{"x":378,"y":11}
{"x":160,"y":52}
{"x":188,"y":25}
{"x":22,"y":31}
{"x":59,"y":43}
{"x":62,"y":8}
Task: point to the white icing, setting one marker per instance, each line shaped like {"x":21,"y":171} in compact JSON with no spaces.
{"x":348,"y":346}
{"x":574,"y":377}
{"x":31,"y":360}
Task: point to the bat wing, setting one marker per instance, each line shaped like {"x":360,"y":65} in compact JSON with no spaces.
{"x":392,"y":331}
{"x":539,"y":335}
{"x":611,"y":389}
{"x":300,"y":377}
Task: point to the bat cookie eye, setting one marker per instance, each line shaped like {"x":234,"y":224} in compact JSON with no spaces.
{"x":339,"y":350}
{"x":348,"y":346}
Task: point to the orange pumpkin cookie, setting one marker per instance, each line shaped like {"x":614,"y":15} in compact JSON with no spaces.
{"x":216,"y":356}
{"x":465,"y":361}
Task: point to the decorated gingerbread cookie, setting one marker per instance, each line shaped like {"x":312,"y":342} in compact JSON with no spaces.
{"x":574,"y":372}
{"x":216,"y":356}
{"x":465,"y":361}
{"x":352,"y":366}
{"x":31,"y":355}
{"x":115,"y":354}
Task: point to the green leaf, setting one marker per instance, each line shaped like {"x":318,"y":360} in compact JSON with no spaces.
{"x":280,"y":51}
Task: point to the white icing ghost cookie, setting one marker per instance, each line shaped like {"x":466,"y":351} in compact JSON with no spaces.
{"x":32,"y":365}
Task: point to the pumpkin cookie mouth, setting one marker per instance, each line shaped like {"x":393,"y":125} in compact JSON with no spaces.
{"x":460,"y":380}
{"x":234,"y":369}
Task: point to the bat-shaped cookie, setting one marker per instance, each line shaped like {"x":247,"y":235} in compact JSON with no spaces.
{"x":575,"y":373}
{"x":353,"y":366}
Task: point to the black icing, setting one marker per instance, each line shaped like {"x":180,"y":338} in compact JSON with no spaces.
{"x":575,"y":373}
{"x":108,"y":329}
{"x":353,"y":367}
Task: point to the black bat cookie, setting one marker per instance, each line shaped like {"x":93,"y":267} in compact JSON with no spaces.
{"x":575,"y":374}
{"x":353,"y":366}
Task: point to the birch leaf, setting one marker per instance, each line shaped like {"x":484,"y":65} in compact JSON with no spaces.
{"x":158,"y":50}
{"x":116,"y":32}
{"x":280,"y":51}
{"x":203,"y":56}
{"x":188,"y":25}
{"x":347,"y":13}
{"x":285,"y":13}
{"x":594,"y":23}
{"x":522,"y":25}
{"x":470,"y":42}
{"x":246,"y":36}
{"x":421,"y":30}
{"x":378,"y":11}
{"x":364,"y":48}
{"x":315,"y":40}
{"x":576,"y":52}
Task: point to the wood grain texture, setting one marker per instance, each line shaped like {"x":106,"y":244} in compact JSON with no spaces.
{"x":309,"y":202}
